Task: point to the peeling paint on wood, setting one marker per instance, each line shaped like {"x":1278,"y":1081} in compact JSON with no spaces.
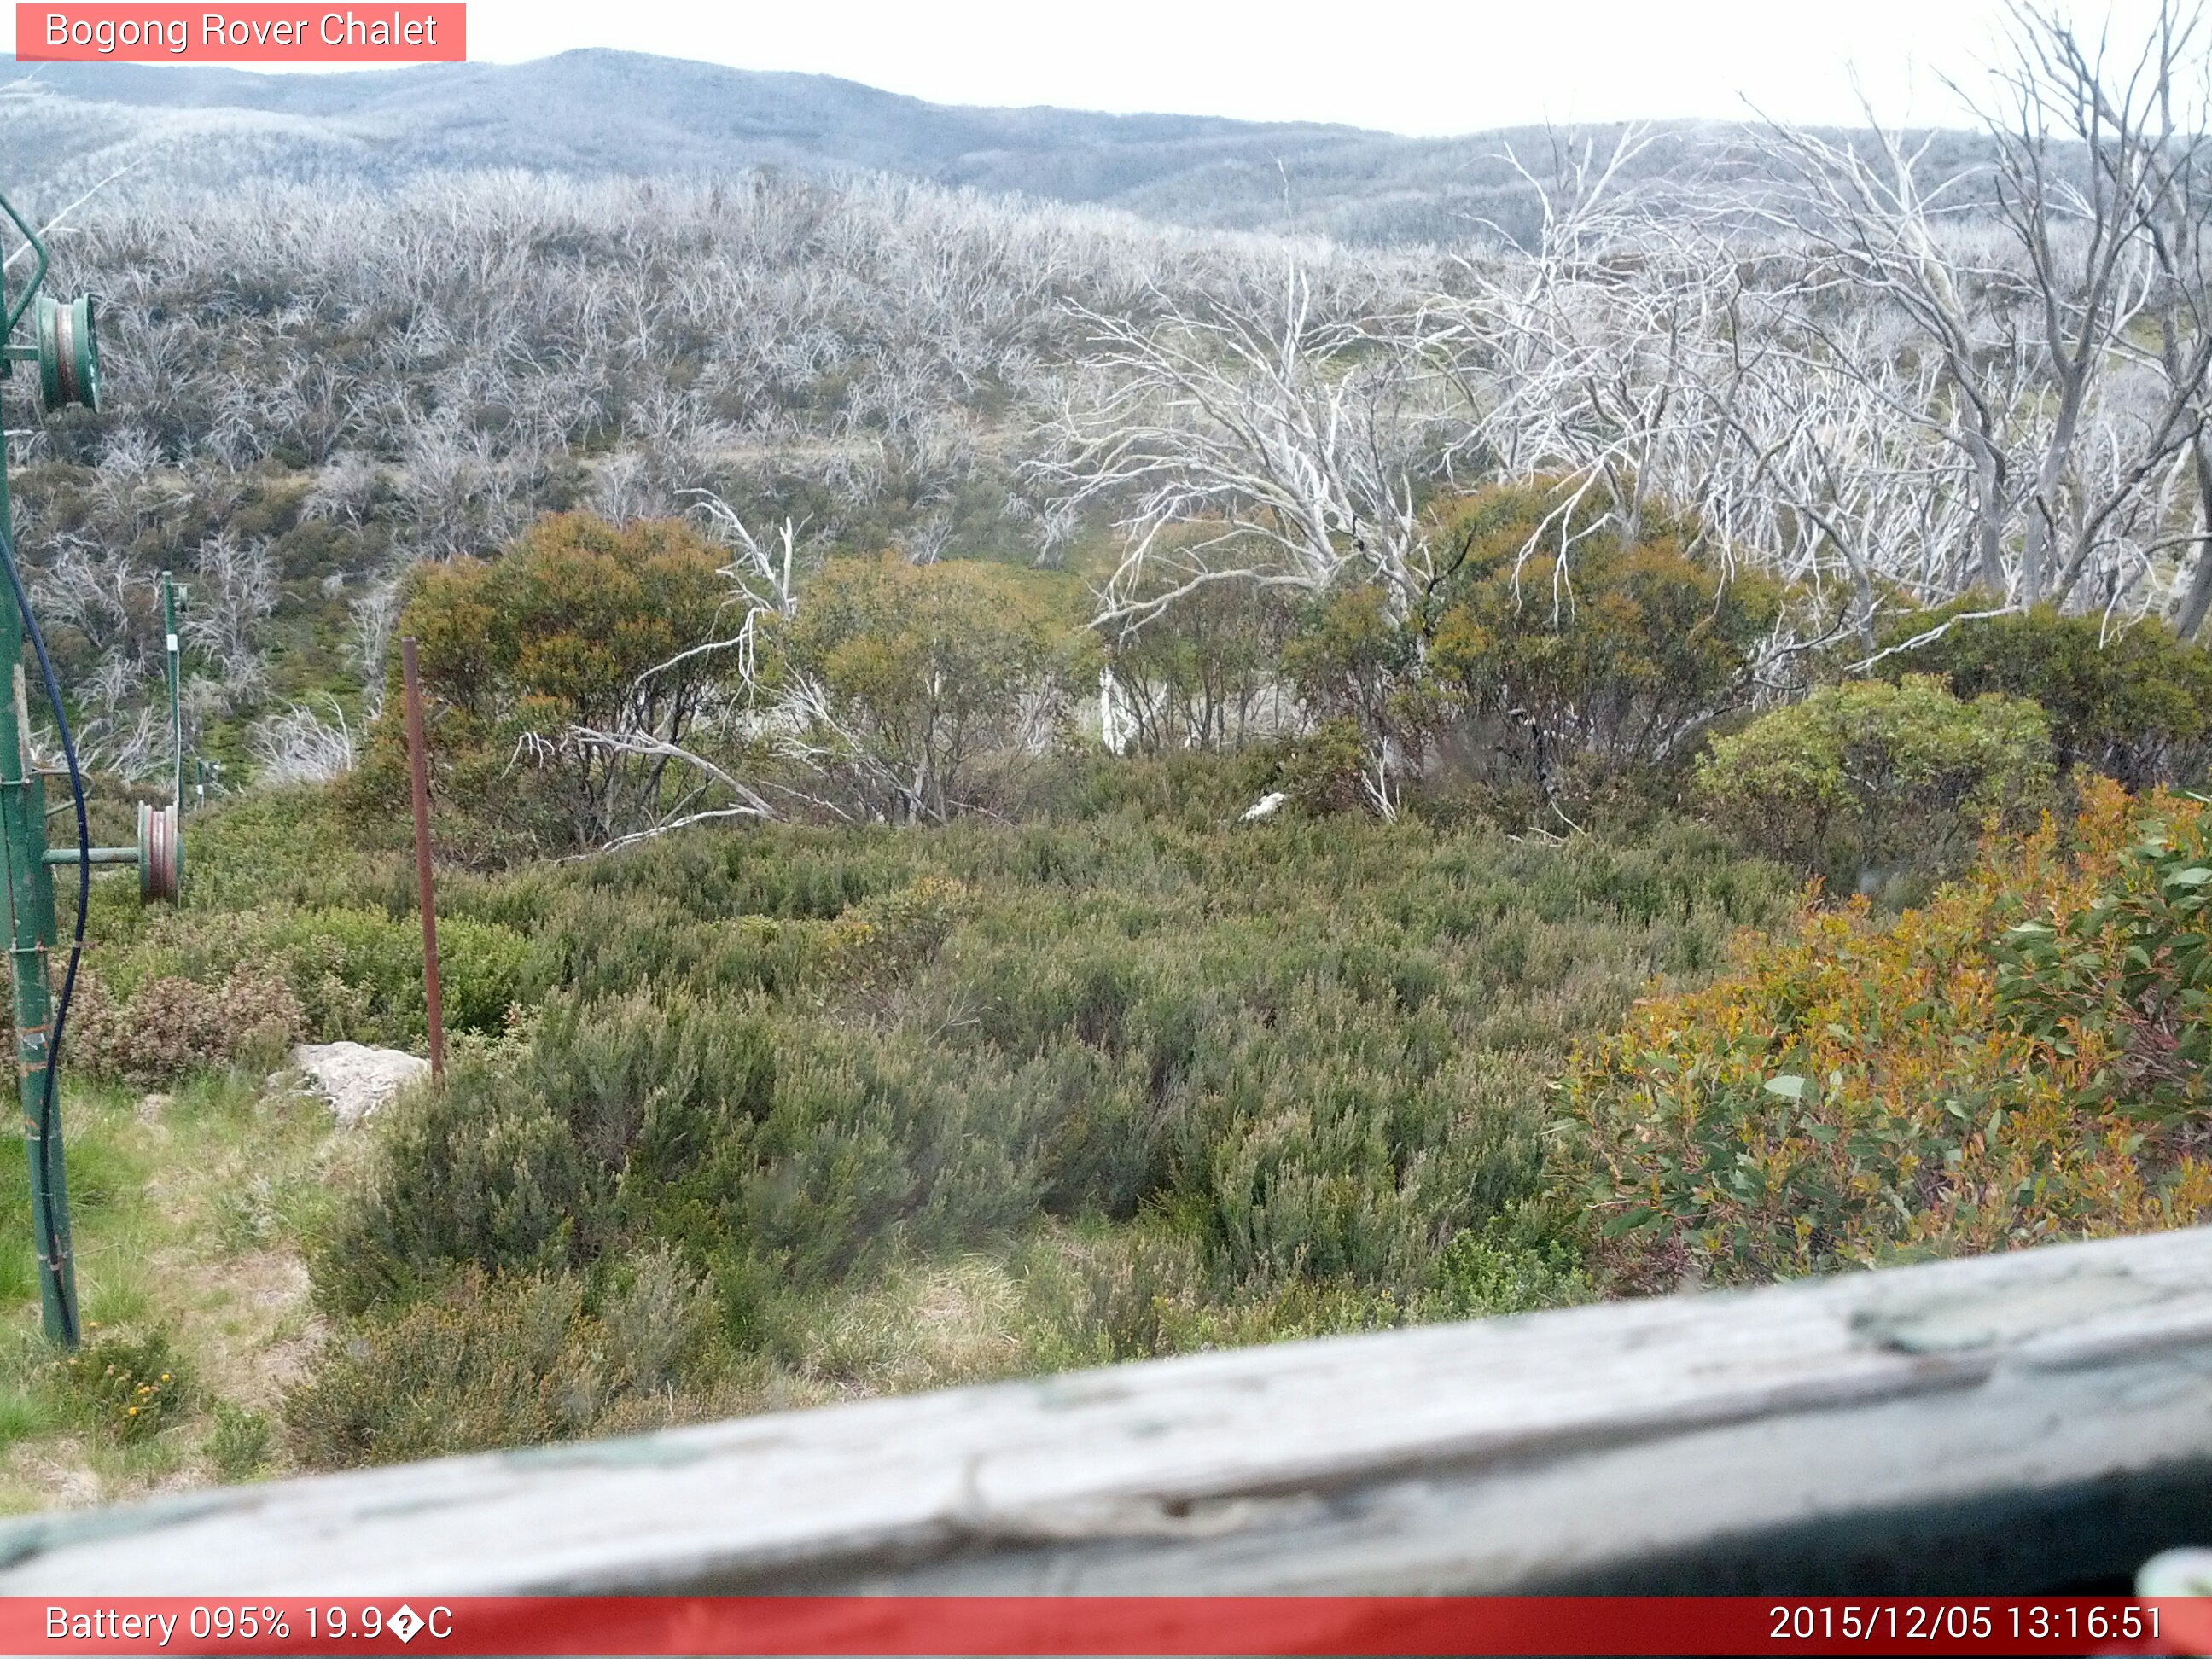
{"x":2025,"y":1422}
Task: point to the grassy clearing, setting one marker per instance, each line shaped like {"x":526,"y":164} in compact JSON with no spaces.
{"x":189,"y":1206}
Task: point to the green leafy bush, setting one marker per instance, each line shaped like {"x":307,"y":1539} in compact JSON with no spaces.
{"x":1600,"y":665}
{"x":933,"y":685}
{"x":1487,"y":1271}
{"x":881,"y":941}
{"x":1549,"y":659}
{"x":1167,"y":1082}
{"x":491,"y":1363}
{"x":356,"y":974}
{"x":506,"y":1360}
{"x":518,"y":652}
{"x":1204,"y":673}
{"x":1332,"y":769}
{"x":1105,"y":1297}
{"x":2129,"y":973}
{"x":2132,"y":702}
{"x":525,"y":1161}
{"x":658,"y":1323}
{"x":127,"y":1388}
{"x":1359,"y":668}
{"x":359,"y":973}
{"x":1870,"y":777}
{"x":239,"y":1445}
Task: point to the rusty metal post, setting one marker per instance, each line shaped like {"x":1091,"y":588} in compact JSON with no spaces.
{"x":419,"y":760}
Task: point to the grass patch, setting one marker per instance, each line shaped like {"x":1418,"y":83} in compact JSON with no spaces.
{"x":166,"y":1284}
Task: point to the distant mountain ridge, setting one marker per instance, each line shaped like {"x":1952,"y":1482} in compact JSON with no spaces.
{"x":66,"y":125}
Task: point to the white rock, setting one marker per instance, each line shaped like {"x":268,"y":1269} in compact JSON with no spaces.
{"x":355,"y":1079}
{"x":1265,"y":806}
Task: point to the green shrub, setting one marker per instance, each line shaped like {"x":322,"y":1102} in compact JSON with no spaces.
{"x":1358,"y":668}
{"x":877,"y":1146}
{"x":1605,"y":664}
{"x":287,"y":847}
{"x":478,"y":1172}
{"x":1203,"y":673}
{"x":505,"y":1361}
{"x":1102,"y":1297}
{"x":531,"y":1161}
{"x":239,"y":1444}
{"x":127,"y":1388}
{"x":1191,"y":790}
{"x":881,"y":941}
{"x":1175,"y":1082}
{"x":356,"y":974}
{"x":934,"y":683}
{"x":519,"y":651}
{"x":2131,"y":703}
{"x":659,"y":1322}
{"x":360,"y":973}
{"x":1487,"y":1271}
{"x":1545,"y":676}
{"x":1330,"y":768}
{"x":638,"y":1118}
{"x":1870,"y":777}
{"x":2130,"y":970}
{"x":491,"y":1363}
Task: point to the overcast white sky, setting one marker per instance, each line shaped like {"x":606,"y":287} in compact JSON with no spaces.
{"x":1414,"y":66}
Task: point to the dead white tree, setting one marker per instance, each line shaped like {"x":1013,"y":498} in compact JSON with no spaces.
{"x":762,"y":576}
{"x":2171,"y":116}
{"x":298,"y":745}
{"x":1266,"y":439}
{"x":2025,"y":285}
{"x":235,"y":594}
{"x":374,"y":614}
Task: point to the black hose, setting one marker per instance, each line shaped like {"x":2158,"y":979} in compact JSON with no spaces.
{"x":49,"y":1234}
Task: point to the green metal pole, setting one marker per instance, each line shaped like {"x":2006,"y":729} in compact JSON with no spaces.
{"x":176,"y":704}
{"x":31,"y":931}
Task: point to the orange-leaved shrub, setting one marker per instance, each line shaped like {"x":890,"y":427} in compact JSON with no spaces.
{"x":1859,"y":1091}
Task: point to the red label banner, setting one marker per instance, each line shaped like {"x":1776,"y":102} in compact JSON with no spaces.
{"x":1107,"y":1626}
{"x":260,"y":33}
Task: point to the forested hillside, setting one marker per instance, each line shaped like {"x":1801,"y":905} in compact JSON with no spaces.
{"x":599,"y":113}
{"x":1018,"y":785}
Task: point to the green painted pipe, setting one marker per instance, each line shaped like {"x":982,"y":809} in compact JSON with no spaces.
{"x":99,"y":855}
{"x":175,"y":659}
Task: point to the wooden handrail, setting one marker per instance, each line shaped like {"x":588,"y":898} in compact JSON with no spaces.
{"x":2023,"y":1422}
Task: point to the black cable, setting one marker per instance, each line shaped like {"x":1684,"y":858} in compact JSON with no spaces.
{"x":48,"y":1232}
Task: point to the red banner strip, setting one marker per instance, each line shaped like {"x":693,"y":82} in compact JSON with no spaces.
{"x":1120,"y":1625}
{"x":260,"y":33}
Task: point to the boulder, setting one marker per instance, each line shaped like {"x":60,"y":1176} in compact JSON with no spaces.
{"x":355,"y":1079}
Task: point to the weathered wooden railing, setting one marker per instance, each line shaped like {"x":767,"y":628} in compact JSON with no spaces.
{"x":2030,"y":1422}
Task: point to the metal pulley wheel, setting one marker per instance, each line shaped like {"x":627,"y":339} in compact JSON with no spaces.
{"x":69,"y":352}
{"x":160,"y":854}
